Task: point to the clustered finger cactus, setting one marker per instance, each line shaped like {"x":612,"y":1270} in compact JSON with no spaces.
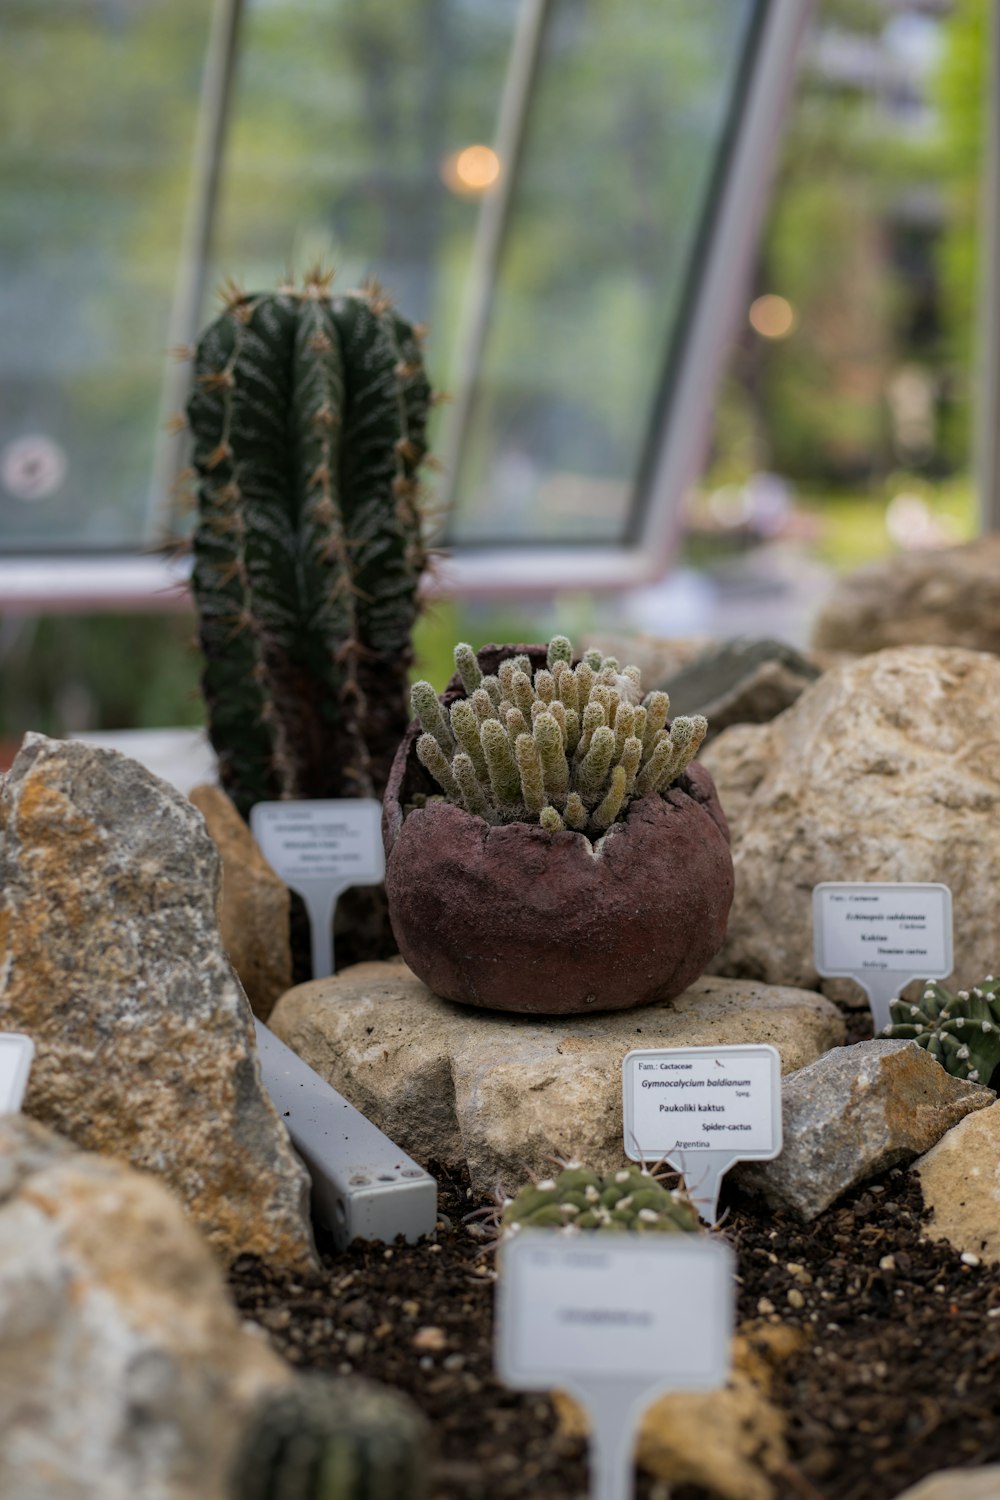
{"x":962,"y":1030}
{"x":333,"y":1439}
{"x":308,"y":414}
{"x":578,"y":1199}
{"x":565,"y":747}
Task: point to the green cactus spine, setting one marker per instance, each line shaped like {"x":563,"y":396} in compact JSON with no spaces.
{"x":962,"y":1030}
{"x":308,"y":414}
{"x":578,"y":1199}
{"x":333,"y":1439}
{"x":566,"y":749}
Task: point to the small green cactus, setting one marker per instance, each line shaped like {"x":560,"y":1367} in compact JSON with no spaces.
{"x":630,"y":1199}
{"x":308,"y":414}
{"x":961,"y":1030}
{"x":566,"y":749}
{"x":333,"y":1439}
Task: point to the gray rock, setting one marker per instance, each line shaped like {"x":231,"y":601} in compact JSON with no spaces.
{"x":504,"y":1093}
{"x":854,"y":1113}
{"x":125,"y":1371}
{"x":112,"y":961}
{"x":740,"y":682}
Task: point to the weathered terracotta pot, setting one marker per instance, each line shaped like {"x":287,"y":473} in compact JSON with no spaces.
{"x":517,"y":919}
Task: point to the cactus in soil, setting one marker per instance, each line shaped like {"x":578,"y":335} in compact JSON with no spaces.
{"x":567,"y":748}
{"x":962,"y":1030}
{"x":308,"y":414}
{"x":333,"y":1439}
{"x":577,"y":1199}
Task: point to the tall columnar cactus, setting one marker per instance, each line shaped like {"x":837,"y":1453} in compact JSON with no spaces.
{"x":333,"y":1439}
{"x":564,"y":747}
{"x":308,"y":413}
{"x":961,"y":1030}
{"x":578,"y":1199}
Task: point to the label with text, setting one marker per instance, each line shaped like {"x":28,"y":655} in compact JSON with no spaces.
{"x":656,"y":1309}
{"x":16,"y":1054}
{"x":337,"y":840}
{"x":694,"y":1099}
{"x":873,"y":927}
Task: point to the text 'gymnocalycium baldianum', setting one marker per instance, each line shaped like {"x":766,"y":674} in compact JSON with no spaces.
{"x":564,"y":747}
{"x":309,"y":413}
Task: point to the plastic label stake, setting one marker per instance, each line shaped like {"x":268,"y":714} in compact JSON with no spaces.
{"x":701,"y":1109}
{"x":320,"y":849}
{"x":882,"y":935}
{"x":16,"y":1054}
{"x":617,"y":1321}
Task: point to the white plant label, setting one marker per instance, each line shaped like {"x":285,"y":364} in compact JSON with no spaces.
{"x":616,"y":1321}
{"x":882,"y":935}
{"x":320,"y":849}
{"x":16,"y":1054}
{"x":701,"y":1109}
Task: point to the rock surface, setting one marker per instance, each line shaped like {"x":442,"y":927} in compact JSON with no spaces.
{"x":125,"y":1371}
{"x":506,"y":1093}
{"x":730,"y":1441}
{"x":957,"y":1484}
{"x":743,"y":681}
{"x":253,"y":904}
{"x":960,"y":1181}
{"x":941,"y":598}
{"x":883,"y":770}
{"x":738,"y":761}
{"x":111,"y":960}
{"x":852,"y":1114}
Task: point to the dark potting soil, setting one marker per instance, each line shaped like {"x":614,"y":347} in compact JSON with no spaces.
{"x":898,"y":1376}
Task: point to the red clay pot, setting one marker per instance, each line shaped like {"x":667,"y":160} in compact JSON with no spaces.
{"x":517,"y":919}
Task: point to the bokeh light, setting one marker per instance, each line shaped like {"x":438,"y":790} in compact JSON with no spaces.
{"x":471,"y":171}
{"x":771,"y":316}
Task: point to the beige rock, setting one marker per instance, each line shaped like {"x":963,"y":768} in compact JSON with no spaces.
{"x":739,"y":759}
{"x":125,"y":1371}
{"x":957,"y":1484}
{"x":253,"y":904}
{"x":885,"y":769}
{"x":506,"y":1093}
{"x":854,"y":1113}
{"x":960,"y":1181}
{"x":730,"y":1441}
{"x":110,"y":958}
{"x":941,"y":598}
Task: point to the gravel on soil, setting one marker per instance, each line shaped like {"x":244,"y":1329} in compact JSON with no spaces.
{"x":899,"y":1377}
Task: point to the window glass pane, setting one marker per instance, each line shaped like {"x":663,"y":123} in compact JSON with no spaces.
{"x":98,"y":104}
{"x":347,"y":119}
{"x":626,"y":133}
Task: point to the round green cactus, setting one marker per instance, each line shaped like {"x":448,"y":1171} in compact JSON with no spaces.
{"x":333,"y":1439}
{"x":564,"y":748}
{"x":962,"y":1030}
{"x":630,"y":1199}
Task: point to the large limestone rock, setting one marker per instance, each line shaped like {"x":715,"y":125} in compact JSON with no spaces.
{"x":885,"y":769}
{"x":253,"y":904}
{"x":110,"y":958}
{"x":124,"y":1369}
{"x":960,"y":1181}
{"x":939,"y":598}
{"x":507,"y":1093}
{"x":854,"y":1113}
